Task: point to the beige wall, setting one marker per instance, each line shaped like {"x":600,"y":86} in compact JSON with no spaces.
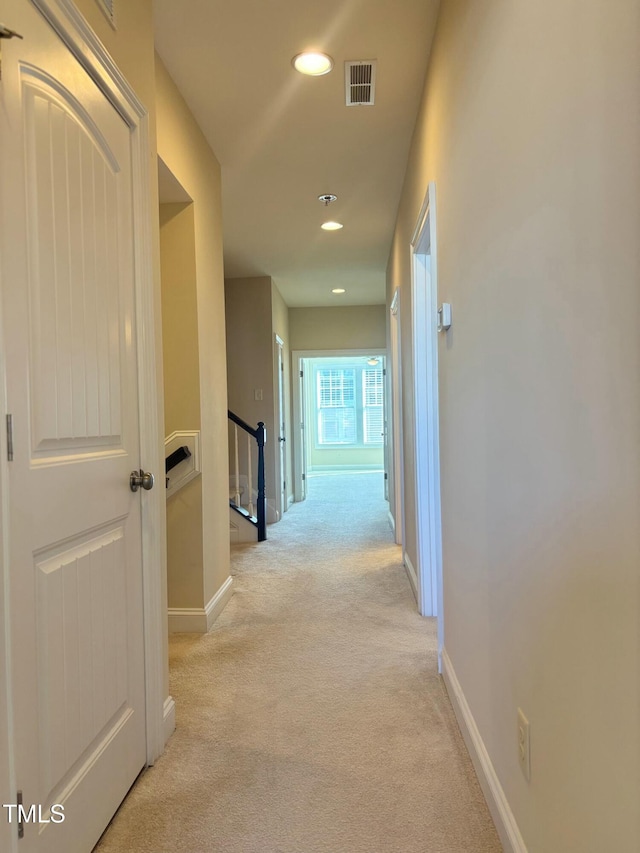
{"x":181,"y":359}
{"x":250,"y":350}
{"x":255,"y":314}
{"x":179,"y":318}
{"x":530,"y":130}
{"x":250,"y":362}
{"x":354,"y":457}
{"x":188,"y":156}
{"x":351,"y":327}
{"x":280,"y":321}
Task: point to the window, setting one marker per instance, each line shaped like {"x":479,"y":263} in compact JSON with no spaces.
{"x":349,"y":403}
{"x":372,"y":399}
{"x":336,"y":406}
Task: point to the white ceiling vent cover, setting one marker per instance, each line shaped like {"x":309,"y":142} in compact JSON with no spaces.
{"x":108,"y":7}
{"x":360,"y":82}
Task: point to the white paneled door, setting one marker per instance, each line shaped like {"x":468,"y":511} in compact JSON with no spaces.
{"x":76,"y":597}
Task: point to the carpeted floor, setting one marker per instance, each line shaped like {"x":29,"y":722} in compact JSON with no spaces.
{"x":311,"y":719}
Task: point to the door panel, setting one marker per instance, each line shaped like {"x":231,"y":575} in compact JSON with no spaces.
{"x":73,"y":212}
{"x":75,"y":530}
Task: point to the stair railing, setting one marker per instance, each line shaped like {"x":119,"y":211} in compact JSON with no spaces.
{"x":259,"y":435}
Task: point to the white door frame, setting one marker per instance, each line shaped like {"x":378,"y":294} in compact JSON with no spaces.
{"x":297,"y":356}
{"x":299,"y":446}
{"x":424,"y":289}
{"x":82,"y":42}
{"x":279,"y":409}
{"x":397,"y":455}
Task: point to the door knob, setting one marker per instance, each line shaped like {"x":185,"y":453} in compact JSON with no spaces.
{"x":141,"y":478}
{"x":282,"y":439}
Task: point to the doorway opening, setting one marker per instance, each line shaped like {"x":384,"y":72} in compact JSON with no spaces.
{"x":428,"y":570}
{"x":339,"y":415}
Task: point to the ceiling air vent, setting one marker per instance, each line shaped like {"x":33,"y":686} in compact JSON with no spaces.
{"x":108,"y":7}
{"x":360,"y":82}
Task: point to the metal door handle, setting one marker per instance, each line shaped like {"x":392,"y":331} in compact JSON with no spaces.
{"x":141,"y":478}
{"x":282,"y":439}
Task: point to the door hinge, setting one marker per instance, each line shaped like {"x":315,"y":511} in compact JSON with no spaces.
{"x":384,"y":371}
{"x":386,"y":476}
{"x":19,"y":803}
{"x":301,"y":374}
{"x":304,"y":476}
{"x":10,"y":438}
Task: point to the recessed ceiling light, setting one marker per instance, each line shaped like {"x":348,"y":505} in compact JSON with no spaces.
{"x":338,"y":290}
{"x":312,"y":63}
{"x":332,"y":226}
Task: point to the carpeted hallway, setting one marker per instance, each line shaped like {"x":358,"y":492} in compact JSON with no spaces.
{"x":311,"y":719}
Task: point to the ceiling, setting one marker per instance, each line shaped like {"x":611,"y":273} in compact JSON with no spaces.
{"x":283,"y":139}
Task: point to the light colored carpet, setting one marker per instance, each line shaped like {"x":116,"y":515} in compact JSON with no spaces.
{"x":312,"y":719}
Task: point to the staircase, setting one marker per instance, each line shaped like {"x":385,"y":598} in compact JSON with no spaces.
{"x":247,"y":506}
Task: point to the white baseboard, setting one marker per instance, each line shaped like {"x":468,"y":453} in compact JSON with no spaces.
{"x":169,"y":718}
{"x":273,"y":516}
{"x":497,"y":802}
{"x":392,"y":522}
{"x":412,"y":575}
{"x":198,"y":620}
{"x":219,"y":601}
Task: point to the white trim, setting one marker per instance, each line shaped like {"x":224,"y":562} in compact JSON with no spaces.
{"x":8,"y":782}
{"x":411,"y":574}
{"x":424,"y":289}
{"x":392,"y":523}
{"x":187,"y":620}
{"x":279,"y":408}
{"x":493,"y":791}
{"x":397,"y":434}
{"x":299,"y":450}
{"x":199,"y":620}
{"x":189,"y":468}
{"x":219,"y":601}
{"x":83,"y":43}
{"x":169,"y":718}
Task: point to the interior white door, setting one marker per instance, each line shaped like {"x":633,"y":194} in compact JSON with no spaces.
{"x":305,"y":423}
{"x":281,"y":431}
{"x":75,"y":537}
{"x":385,"y":428}
{"x":395,"y":399}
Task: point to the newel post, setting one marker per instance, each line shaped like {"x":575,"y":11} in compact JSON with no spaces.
{"x":261,"y":438}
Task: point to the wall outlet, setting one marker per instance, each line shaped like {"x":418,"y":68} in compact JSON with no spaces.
{"x":524,"y":745}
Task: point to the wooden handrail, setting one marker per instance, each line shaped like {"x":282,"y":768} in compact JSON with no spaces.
{"x":242,"y":424}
